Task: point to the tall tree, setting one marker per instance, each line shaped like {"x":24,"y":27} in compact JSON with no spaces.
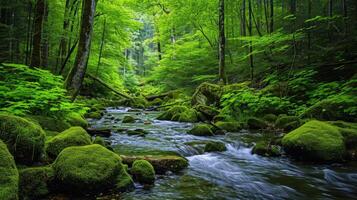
{"x":37,"y":33}
{"x":222,"y":43}
{"x":76,"y":75}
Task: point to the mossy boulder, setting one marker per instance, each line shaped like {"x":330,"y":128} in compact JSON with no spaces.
{"x":333,"y":109}
{"x":201,"y":130}
{"x":35,"y":182}
{"x":214,"y":146}
{"x":229,"y":126}
{"x":271,"y":118}
{"x":263,"y":148}
{"x":124,"y":181}
{"x":9,"y":176}
{"x":256,"y":123}
{"x":87,"y":169}
{"x":94,"y":115}
{"x":180,"y":113}
{"x":288,"y":123}
{"x":128,"y":119}
{"x":99,"y":140}
{"x":75,"y":119}
{"x":49,"y":123}
{"x":208,"y":112}
{"x":315,"y":141}
{"x":74,"y":136}
{"x":207,"y":94}
{"x":25,"y":139}
{"x":143,"y":172}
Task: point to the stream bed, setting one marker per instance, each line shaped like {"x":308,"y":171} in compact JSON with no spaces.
{"x":233,"y":174}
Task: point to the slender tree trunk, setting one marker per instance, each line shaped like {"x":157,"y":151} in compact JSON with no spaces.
{"x":37,"y":33}
{"x":44,"y":42}
{"x":266,"y":15}
{"x":222,"y":43}
{"x":28,"y":34}
{"x":309,"y":32}
{"x":271,"y":16}
{"x":250,"y":28}
{"x":244,"y":19}
{"x":62,"y":50}
{"x":76,"y":75}
{"x":159,"y":53}
{"x":101,"y":46}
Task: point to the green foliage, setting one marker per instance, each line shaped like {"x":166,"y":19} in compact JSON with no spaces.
{"x":33,"y":91}
{"x":9,"y":175}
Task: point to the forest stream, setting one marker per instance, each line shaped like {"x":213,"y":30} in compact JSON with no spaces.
{"x":233,"y":174}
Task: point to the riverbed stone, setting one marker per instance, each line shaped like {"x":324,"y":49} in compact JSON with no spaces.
{"x":229,"y":126}
{"x":215,"y":146}
{"x":128,"y":119}
{"x":88,"y":169}
{"x":143,"y":172}
{"x":25,"y":139}
{"x":74,"y":136}
{"x":180,"y":113}
{"x":263,"y":148}
{"x":9,"y":176}
{"x":315,"y":141}
{"x":201,"y":130}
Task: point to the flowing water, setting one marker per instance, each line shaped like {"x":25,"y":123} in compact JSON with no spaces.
{"x":233,"y":174}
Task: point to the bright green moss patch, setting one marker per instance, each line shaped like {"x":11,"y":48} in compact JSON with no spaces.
{"x":75,"y":136}
{"x":9,"y":176}
{"x":50,"y":123}
{"x":128,"y":119}
{"x":124,"y":181}
{"x":179,"y":113}
{"x":315,"y":141}
{"x":229,"y":126}
{"x":143,"y":172}
{"x":35,"y":182}
{"x":25,"y":139}
{"x":201,"y":130}
{"x":75,"y":119}
{"x":99,"y":140}
{"x":87,"y":169}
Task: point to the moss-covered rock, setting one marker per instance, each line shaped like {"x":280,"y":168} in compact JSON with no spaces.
{"x":94,"y":115}
{"x":256,"y":123}
{"x":128,"y":119}
{"x":179,"y":113}
{"x":201,"y":130}
{"x":143,"y":172}
{"x":75,"y":119}
{"x":87,"y":169}
{"x":138,"y":132}
{"x":229,"y":126}
{"x":271,"y":118}
{"x":333,"y":109}
{"x":26,"y":140}
{"x":315,"y":141}
{"x":99,"y":140}
{"x":214,"y":146}
{"x":288,"y":123}
{"x":49,"y":123}
{"x":207,"y":94}
{"x":35,"y":182}
{"x":124,"y":181}
{"x":263,"y":148}
{"x":9,"y":176}
{"x":74,"y":136}
{"x":209,"y":112}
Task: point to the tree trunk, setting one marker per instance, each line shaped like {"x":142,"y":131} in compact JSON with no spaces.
{"x":44,"y":42}
{"x":28,"y":35}
{"x":222,"y":44}
{"x":250,"y":28}
{"x":76,"y":75}
{"x":101,"y":46}
{"x":271,"y":16}
{"x":62,"y":50}
{"x":37,"y":33}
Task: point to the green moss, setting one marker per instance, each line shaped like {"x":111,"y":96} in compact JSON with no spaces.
{"x":271,"y":118}
{"x":201,"y":130}
{"x":35,"y":182}
{"x":316,"y":141}
{"x":229,"y":126}
{"x":99,"y":140}
{"x":213,"y":146}
{"x":75,"y":136}
{"x":207,"y":94}
{"x":75,"y":119}
{"x":89,"y":169}
{"x":124,"y":182}
{"x":208,"y":111}
{"x":143,"y":172}
{"x":179,"y":113}
{"x":128,"y":119}
{"x":49,"y":123}
{"x":94,"y":115}
{"x":9,"y":176}
{"x":349,"y":133}
{"x":288,"y":123}
{"x":263,"y":148}
{"x":25,"y":139}
{"x":256,"y":123}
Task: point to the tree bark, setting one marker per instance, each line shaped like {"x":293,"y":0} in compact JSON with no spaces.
{"x":222,"y":44}
{"x":271,"y":16}
{"x":28,"y":35}
{"x":250,"y":29}
{"x":37,"y":33}
{"x":101,"y":46}
{"x":76,"y":75}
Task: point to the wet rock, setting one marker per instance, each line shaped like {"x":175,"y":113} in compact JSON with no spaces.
{"x":207,"y":94}
{"x":143,"y":172}
{"x":288,"y":123}
{"x":229,"y":126}
{"x":89,"y":169}
{"x":138,"y":132}
{"x":202,"y":130}
{"x":256,"y":123}
{"x":180,"y":114}
{"x":214,"y":146}
{"x":9,"y":176}
{"x":75,"y":136}
{"x":25,"y":139}
{"x":94,"y":115}
{"x":209,"y":112}
{"x":128,"y":119}
{"x":104,"y":132}
{"x":265,"y":149}
{"x":315,"y":141}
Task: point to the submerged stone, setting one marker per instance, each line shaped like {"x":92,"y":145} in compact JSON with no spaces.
{"x":214,"y":146}
{"x":201,"y":130}
{"x":128,"y":119}
{"x":263,"y":148}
